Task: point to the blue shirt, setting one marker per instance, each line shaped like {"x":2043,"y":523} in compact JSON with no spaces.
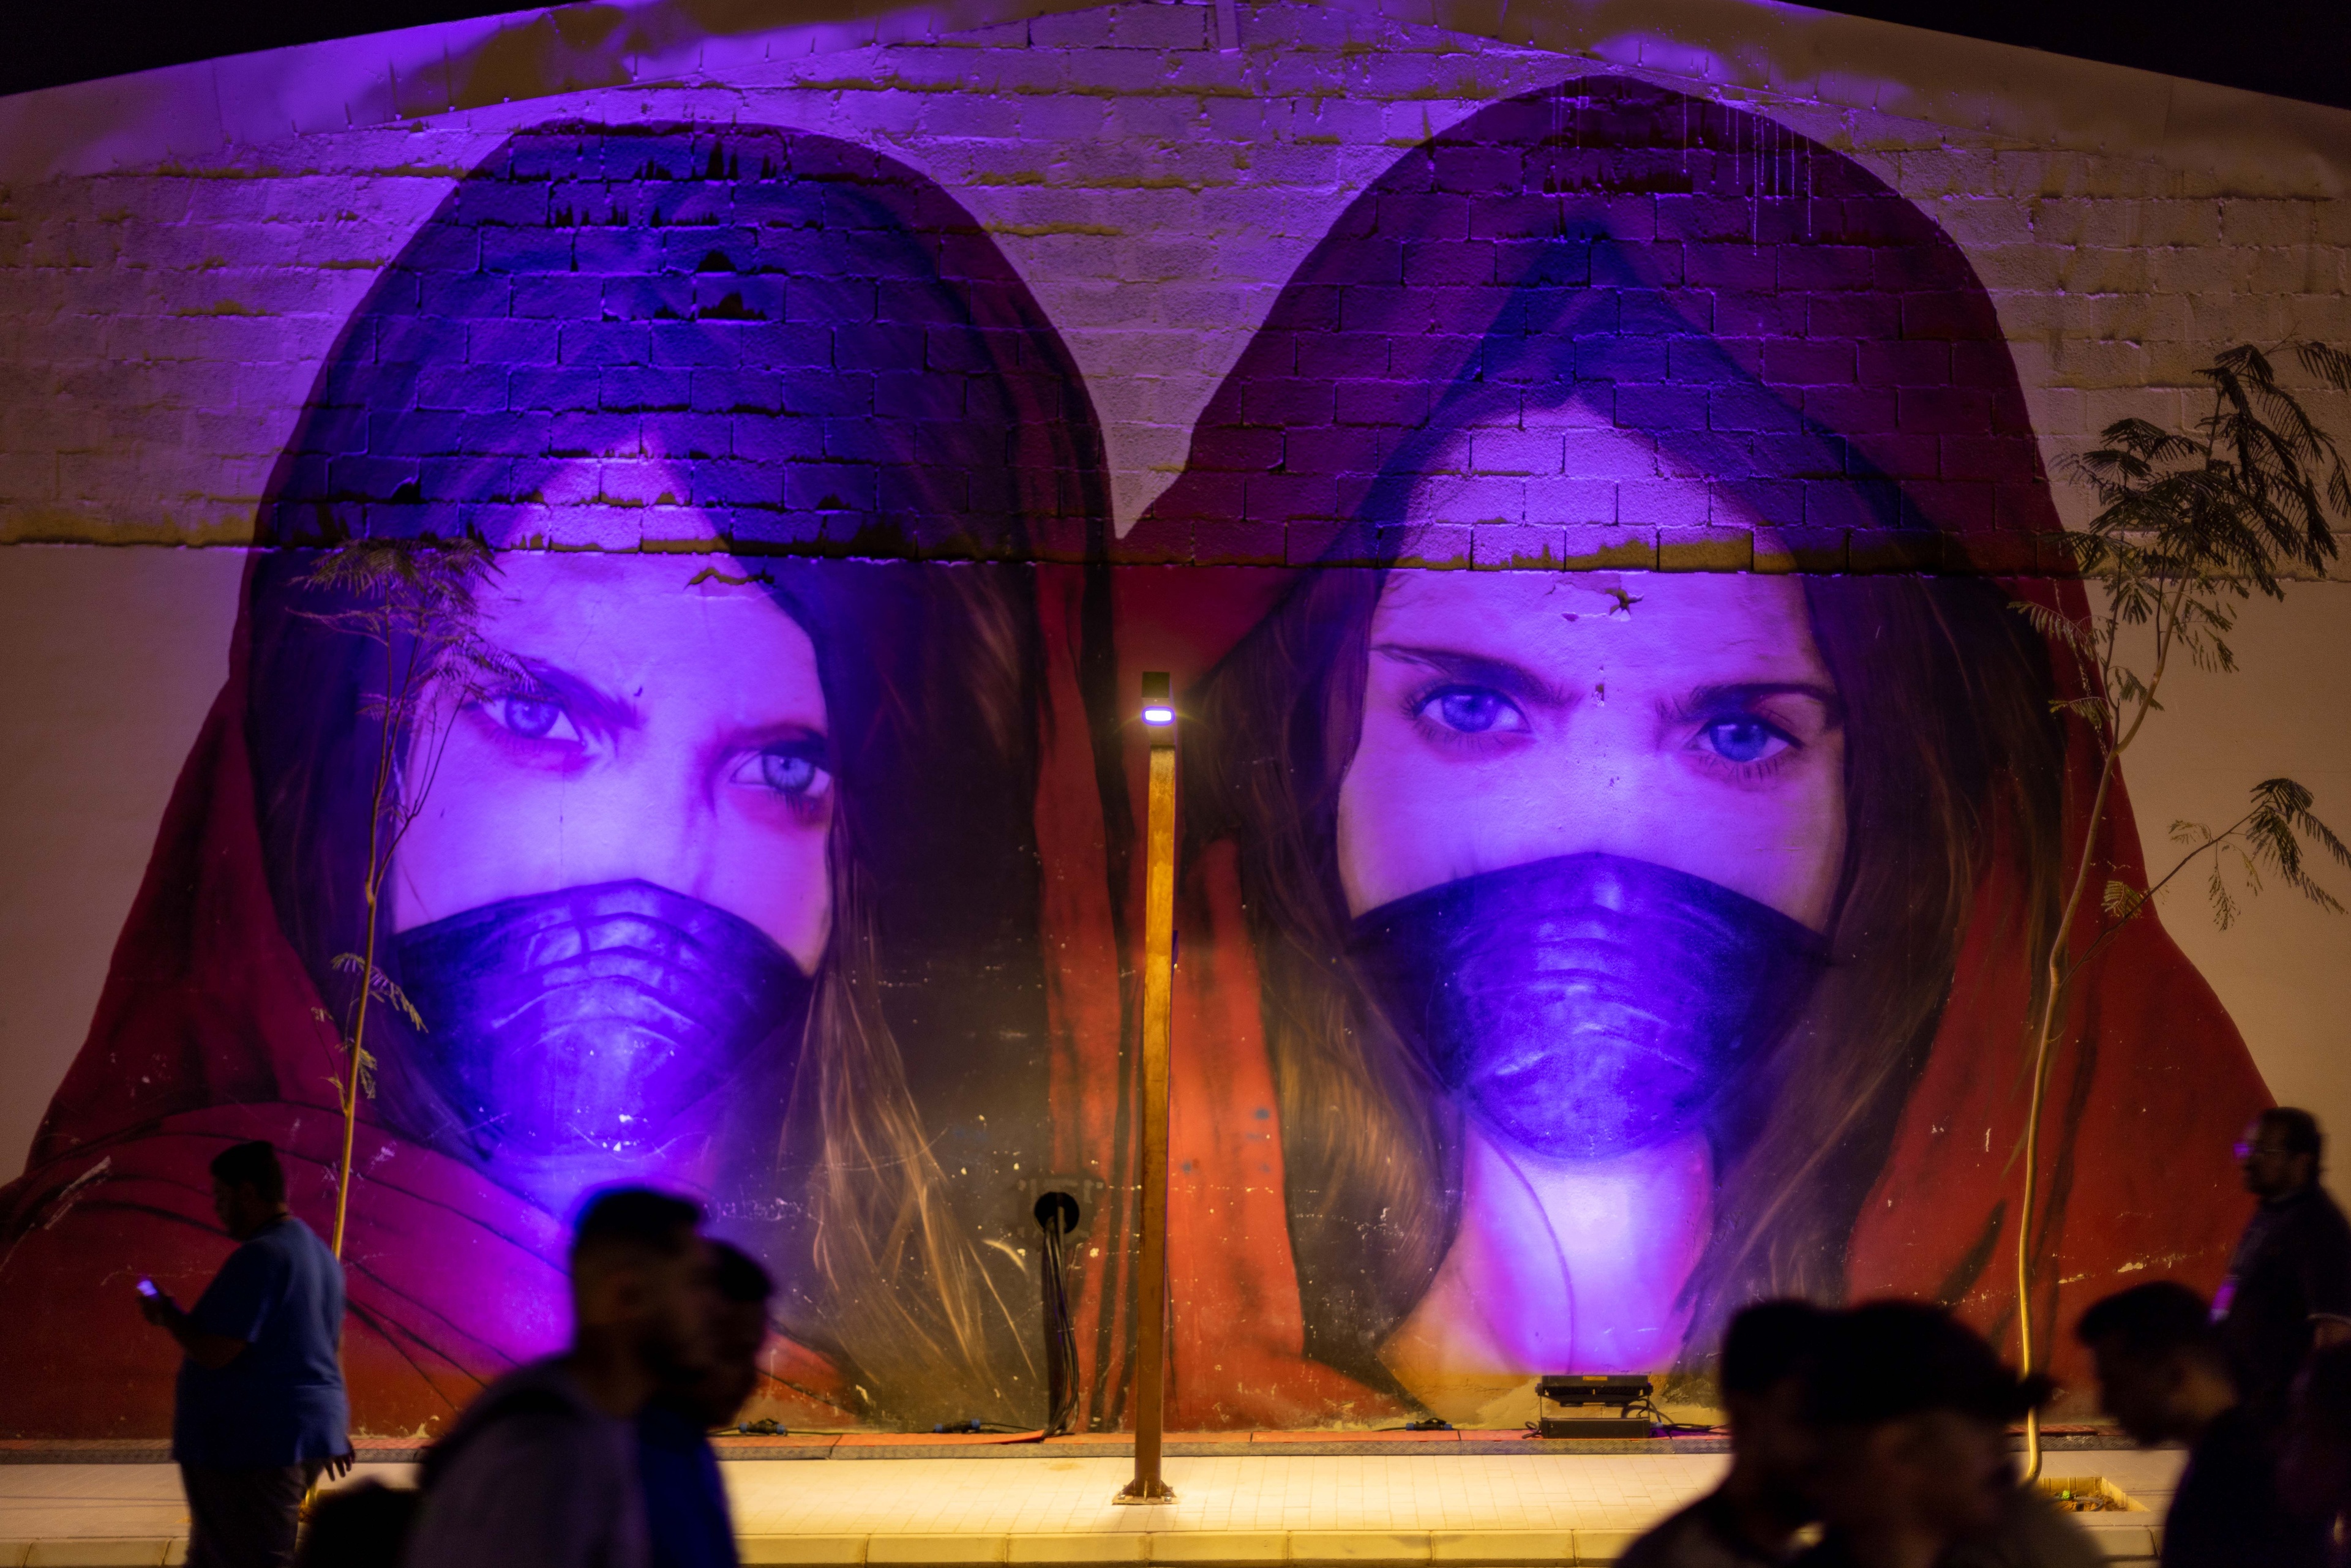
{"x":686,"y":1502}
{"x":281,"y":1401}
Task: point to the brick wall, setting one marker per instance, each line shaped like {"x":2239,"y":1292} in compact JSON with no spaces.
{"x":164,"y":316}
{"x":178,"y":257}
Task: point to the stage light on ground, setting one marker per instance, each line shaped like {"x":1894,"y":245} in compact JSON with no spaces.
{"x":1585,"y":1397}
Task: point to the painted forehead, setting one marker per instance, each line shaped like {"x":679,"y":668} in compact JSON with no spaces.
{"x":1719,"y":627}
{"x":755,"y":332}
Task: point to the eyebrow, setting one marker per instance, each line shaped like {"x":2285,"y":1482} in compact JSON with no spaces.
{"x":794,"y":740}
{"x":587,"y":701}
{"x":1732,"y":695}
{"x":1514,"y":681}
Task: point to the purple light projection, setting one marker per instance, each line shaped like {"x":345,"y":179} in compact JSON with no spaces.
{"x":1588,"y":1005}
{"x":591,"y":1035}
{"x":732,"y":886}
{"x":1687,"y":908}
{"x":1600,"y":321}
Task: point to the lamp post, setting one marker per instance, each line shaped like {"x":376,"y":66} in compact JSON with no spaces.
{"x":1158,"y":1002}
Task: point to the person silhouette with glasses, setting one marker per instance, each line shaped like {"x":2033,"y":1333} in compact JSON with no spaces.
{"x":2288,"y":1288}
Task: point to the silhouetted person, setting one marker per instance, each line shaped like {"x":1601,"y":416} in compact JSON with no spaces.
{"x":2314,"y":1471}
{"x":2164,"y":1375}
{"x":686,"y":1501}
{"x":2289,"y":1284}
{"x":541,"y":1470}
{"x":259,"y":1411}
{"x":1909,"y":1413}
{"x":1753,"y":1516}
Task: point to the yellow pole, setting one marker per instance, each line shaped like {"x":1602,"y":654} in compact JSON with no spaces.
{"x":1158,"y":1006}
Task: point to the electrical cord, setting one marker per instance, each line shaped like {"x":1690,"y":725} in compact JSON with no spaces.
{"x":976,"y":1427}
{"x":1658,"y":1422}
{"x":1057,"y":1213}
{"x":1667,"y":1425}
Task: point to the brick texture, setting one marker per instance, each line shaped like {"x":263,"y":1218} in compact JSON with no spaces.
{"x":164,"y":325}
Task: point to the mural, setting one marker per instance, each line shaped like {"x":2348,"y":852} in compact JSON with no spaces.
{"x":1624,"y":947}
{"x":734,"y":884}
{"x":1570,"y":955}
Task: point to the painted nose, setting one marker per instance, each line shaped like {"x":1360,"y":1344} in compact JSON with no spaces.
{"x":658,"y":830}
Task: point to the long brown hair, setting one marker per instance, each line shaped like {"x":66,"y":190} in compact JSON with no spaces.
{"x":1747,"y":302}
{"x":827,"y":358}
{"x":934,"y":795}
{"x":1950,"y":759}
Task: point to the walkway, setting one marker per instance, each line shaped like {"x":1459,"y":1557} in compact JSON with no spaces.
{"x":1384,"y":1510}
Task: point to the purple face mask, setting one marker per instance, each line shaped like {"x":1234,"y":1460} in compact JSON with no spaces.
{"x":596,"y":1029}
{"x":1586,"y":1006}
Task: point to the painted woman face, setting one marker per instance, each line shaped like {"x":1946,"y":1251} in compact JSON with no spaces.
{"x":1576,"y":773}
{"x":1509,"y":717}
{"x":671,"y":735}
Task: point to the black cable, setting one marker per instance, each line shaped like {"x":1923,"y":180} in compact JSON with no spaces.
{"x":975,"y":1427}
{"x":1672,"y":1429}
{"x":1056,"y":1213}
{"x":1658,"y":1422}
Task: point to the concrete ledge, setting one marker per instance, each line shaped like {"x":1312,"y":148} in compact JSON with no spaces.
{"x":1502,"y":1548}
{"x":1604,"y":1546}
{"x":823,"y":1551}
{"x":143,"y":1551}
{"x":932,"y":1550}
{"x":1367,"y":1548}
{"x":750,"y":1447}
{"x":1090,"y":1550}
{"x":2124,"y":1543}
{"x":1280,"y":1442}
{"x":1221,"y":1548}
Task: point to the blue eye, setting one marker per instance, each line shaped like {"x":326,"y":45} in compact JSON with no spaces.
{"x":529,"y":717}
{"x":787,"y":775}
{"x":1472,"y":710}
{"x":794,"y":775}
{"x":1743,"y":739}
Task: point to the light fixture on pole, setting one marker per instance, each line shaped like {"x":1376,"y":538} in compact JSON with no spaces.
{"x":1158,"y":1006}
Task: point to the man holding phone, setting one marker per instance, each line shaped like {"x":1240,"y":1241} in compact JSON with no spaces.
{"x":259,"y":1412}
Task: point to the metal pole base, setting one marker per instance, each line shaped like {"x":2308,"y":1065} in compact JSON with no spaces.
{"x":1145,"y":1494}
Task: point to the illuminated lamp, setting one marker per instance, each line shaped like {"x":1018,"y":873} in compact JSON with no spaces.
{"x":1158,"y":700}
{"x":1149,"y":1487}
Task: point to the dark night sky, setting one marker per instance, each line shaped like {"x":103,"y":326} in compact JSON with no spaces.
{"x":2301,"y":48}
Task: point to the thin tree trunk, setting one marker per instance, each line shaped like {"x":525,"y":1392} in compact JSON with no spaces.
{"x":2044,"y":1042}
{"x":2041,"y":1052}
{"x":367,"y":972}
